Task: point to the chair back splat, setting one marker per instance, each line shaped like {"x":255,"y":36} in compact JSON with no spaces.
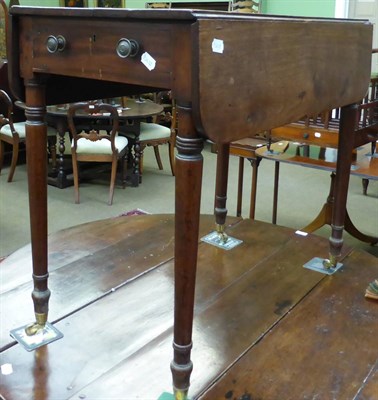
{"x":96,"y":140}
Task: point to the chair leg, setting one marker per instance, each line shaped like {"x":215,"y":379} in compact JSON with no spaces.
{"x":1,"y":154}
{"x":141,"y":164}
{"x":171,"y":149}
{"x":129,"y":156}
{"x":14,"y":161}
{"x":157,"y":156}
{"x":52,"y":151}
{"x":112,"y":180}
{"x":75,"y":171}
{"x":365,"y":184}
{"x":239,"y":201}
{"x":124,"y":170}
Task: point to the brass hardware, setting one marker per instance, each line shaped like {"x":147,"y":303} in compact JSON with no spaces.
{"x":55,"y":43}
{"x":181,"y":394}
{"x":330,"y":263}
{"x":127,"y":48}
{"x":37,"y":326}
{"x":221,"y":233}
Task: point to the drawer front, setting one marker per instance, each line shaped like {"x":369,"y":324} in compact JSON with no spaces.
{"x":89,"y":49}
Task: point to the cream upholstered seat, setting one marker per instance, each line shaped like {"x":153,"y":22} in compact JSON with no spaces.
{"x":155,"y":134}
{"x":103,"y":146}
{"x":91,"y":141}
{"x":153,"y":131}
{"x":14,"y":133}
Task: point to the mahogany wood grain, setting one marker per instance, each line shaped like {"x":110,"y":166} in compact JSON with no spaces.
{"x":325,"y":349}
{"x":258,"y":106}
{"x":296,"y":132}
{"x":119,"y":345}
{"x":289,"y":79}
{"x":107,"y":253}
{"x":220,"y":202}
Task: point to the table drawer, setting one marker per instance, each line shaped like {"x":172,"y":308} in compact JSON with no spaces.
{"x":90,"y":50}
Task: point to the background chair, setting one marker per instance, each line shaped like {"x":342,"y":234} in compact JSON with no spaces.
{"x":162,"y":130}
{"x":14,"y":133}
{"x":91,"y":141}
{"x":165,"y":4}
{"x":246,"y":6}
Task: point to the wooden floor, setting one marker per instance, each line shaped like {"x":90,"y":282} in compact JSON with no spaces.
{"x":264,"y":328}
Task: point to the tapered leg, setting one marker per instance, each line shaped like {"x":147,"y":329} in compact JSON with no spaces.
{"x":158,"y":158}
{"x":220,"y":209}
{"x":189,"y":164}
{"x":36,"y":138}
{"x":75,"y":169}
{"x":1,"y":154}
{"x":172,"y":144}
{"x":365,"y":184}
{"x":275,"y":192}
{"x":15,"y":150}
{"x":240,"y":187}
{"x":113,"y":176}
{"x":348,"y":121}
{"x":255,"y":162}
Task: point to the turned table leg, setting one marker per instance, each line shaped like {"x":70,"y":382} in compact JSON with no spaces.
{"x":255,"y":162}
{"x":220,"y":209}
{"x":36,"y":138}
{"x":348,"y":120}
{"x":189,"y":164}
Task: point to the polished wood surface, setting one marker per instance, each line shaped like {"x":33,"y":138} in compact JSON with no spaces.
{"x":260,"y":317}
{"x":125,"y":246}
{"x":130,"y":109}
{"x":314,"y":84}
{"x":316,"y":352}
{"x":196,"y":54}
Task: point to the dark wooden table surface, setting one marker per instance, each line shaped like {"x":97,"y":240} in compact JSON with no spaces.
{"x":264,"y":326}
{"x":64,"y":55}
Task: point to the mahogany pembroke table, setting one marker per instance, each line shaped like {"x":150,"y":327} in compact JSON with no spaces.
{"x":232,"y":76}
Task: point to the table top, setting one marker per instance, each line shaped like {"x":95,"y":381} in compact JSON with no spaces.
{"x":133,"y":108}
{"x":197,"y":54}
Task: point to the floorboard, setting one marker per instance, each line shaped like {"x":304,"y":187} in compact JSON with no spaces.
{"x":85,"y":263}
{"x":325,"y":350}
{"x":264,"y":327}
